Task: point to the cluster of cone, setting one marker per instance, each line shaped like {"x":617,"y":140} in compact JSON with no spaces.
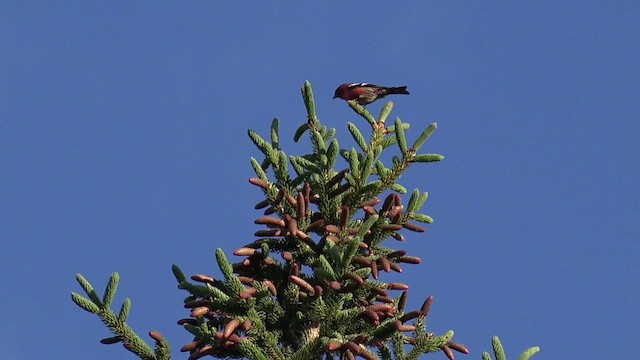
{"x":281,"y":288}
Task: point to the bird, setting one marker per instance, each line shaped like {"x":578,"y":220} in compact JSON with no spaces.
{"x":366,"y":93}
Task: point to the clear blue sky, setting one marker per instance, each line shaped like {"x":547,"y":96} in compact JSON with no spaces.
{"x":123,"y":148}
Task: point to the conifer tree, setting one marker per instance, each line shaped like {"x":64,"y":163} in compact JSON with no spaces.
{"x":311,"y":285}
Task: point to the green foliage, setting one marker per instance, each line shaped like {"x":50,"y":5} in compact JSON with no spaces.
{"x":499,"y":354}
{"x":117,"y":323}
{"x":309,"y":286}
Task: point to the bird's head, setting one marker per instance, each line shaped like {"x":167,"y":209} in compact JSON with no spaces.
{"x":340,"y":91}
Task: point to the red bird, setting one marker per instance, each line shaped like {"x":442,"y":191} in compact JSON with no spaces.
{"x":365,"y":93}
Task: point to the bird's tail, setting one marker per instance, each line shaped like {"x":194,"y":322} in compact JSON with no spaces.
{"x":397,"y":90}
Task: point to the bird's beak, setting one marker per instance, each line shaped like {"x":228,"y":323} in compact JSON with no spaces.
{"x":334,"y":97}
